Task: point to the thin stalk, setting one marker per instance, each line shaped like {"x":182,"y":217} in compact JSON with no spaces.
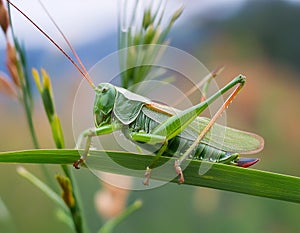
{"x":28,"y":112}
{"x":76,"y":210}
{"x":25,"y":85}
{"x":111,"y":224}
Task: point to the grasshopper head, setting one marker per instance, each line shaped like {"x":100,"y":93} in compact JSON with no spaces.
{"x":104,"y":103}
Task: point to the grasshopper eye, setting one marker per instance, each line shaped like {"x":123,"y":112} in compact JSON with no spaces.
{"x":103,"y":89}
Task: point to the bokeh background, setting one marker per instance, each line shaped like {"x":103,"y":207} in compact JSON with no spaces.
{"x":257,"y":38}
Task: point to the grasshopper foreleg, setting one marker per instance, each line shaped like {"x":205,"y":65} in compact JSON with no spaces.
{"x":88,"y":134}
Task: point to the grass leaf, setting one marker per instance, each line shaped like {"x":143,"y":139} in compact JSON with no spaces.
{"x":219,"y":176}
{"x":109,"y":226}
{"x":43,"y":187}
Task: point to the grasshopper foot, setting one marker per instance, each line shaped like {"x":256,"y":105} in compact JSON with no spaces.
{"x":179,"y":171}
{"x":77,"y":163}
{"x":147,"y":176}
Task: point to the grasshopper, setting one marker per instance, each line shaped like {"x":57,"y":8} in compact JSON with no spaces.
{"x":182,"y":134}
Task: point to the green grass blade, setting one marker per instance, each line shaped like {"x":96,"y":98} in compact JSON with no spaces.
{"x":223,"y":177}
{"x":6,"y":221}
{"x":109,"y":226}
{"x":43,"y":187}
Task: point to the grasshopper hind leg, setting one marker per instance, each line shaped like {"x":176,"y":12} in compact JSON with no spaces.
{"x":240,"y":83}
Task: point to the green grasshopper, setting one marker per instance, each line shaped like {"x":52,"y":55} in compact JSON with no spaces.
{"x":148,"y":123}
{"x":182,"y":134}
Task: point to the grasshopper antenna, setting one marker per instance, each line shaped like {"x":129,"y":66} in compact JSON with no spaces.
{"x":67,"y":41}
{"x":82,"y":70}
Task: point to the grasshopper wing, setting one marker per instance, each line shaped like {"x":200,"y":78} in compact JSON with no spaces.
{"x":128,"y":105}
{"x":225,"y":138}
{"x":220,"y":137}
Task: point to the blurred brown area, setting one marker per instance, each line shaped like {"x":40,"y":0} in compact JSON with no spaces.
{"x":269,"y":103}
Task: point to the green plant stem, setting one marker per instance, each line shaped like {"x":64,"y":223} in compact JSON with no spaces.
{"x":219,"y":176}
{"x":109,"y":226}
{"x":75,"y":211}
{"x":43,"y":187}
{"x":30,"y":121}
{"x":28,"y":112}
{"x":25,"y":86}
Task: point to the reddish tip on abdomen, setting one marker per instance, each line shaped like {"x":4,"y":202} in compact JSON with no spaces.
{"x":246,"y":162}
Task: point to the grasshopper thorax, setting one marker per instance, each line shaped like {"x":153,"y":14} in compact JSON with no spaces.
{"x":104,"y":103}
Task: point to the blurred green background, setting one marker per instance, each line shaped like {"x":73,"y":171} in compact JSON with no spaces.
{"x":259,"y":39}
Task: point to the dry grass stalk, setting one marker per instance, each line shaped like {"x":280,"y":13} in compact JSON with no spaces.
{"x":11,"y":63}
{"x":7,"y":87}
{"x":4,"y":19}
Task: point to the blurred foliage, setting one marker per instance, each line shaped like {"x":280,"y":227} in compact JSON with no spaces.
{"x":269,"y":27}
{"x":274,"y":25}
{"x":151,"y":30}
